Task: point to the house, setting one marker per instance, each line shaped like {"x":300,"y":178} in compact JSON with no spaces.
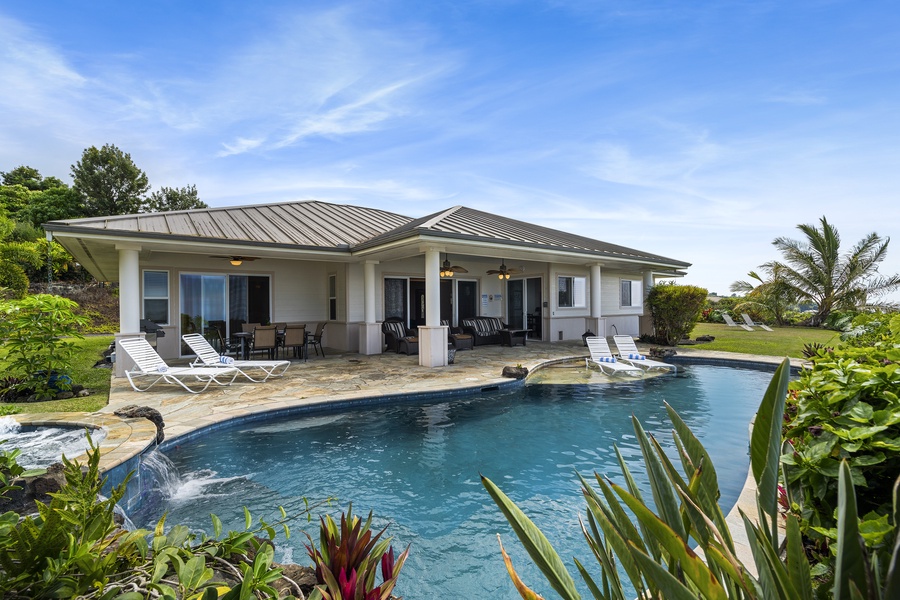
{"x":352,"y":267}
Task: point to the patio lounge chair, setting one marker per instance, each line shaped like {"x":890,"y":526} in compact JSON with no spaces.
{"x":629,"y":353}
{"x":149,"y":364}
{"x":730,"y":322}
{"x":603,"y":358}
{"x":750,"y":322}
{"x":208,"y":357}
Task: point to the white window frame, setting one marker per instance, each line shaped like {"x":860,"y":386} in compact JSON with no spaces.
{"x":579,"y":291}
{"x":167,"y":297}
{"x":332,"y":297}
{"x":636,"y":292}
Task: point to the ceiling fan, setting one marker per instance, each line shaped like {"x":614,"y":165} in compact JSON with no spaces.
{"x":237,"y":260}
{"x":504,"y":272}
{"x":448,"y":271}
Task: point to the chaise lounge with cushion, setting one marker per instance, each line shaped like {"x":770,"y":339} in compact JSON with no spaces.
{"x":485,"y":330}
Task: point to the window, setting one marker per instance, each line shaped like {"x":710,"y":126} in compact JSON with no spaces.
{"x":572,"y":292}
{"x":630,"y":295}
{"x":332,"y":297}
{"x":395,"y":295}
{"x":156,"y":296}
{"x":626,"y":293}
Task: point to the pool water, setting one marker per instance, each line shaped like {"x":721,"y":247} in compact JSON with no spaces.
{"x":417,"y":465}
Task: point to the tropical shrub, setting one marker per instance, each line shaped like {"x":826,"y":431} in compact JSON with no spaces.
{"x":712,"y":311}
{"x":349,"y":557}
{"x":654,"y":553}
{"x":73,"y":548}
{"x":845,"y":408}
{"x":33,"y":331}
{"x":13,"y":280}
{"x":868,"y":328}
{"x":674,"y":309}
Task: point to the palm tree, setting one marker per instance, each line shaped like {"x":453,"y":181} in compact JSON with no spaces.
{"x":816,"y":270}
{"x":773,"y":295}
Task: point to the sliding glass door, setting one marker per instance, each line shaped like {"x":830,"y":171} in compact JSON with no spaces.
{"x":222,"y":301}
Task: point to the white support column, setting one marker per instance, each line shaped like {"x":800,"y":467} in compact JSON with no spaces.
{"x":432,"y":287}
{"x":433,"y":337}
{"x":649,"y":282}
{"x":646,"y":323}
{"x":369,"y":282}
{"x":370,"y":332}
{"x":597,"y":323}
{"x":596,"y":290}
{"x":129,"y":301}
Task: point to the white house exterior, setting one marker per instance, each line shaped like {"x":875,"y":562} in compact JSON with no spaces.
{"x":352,"y":267}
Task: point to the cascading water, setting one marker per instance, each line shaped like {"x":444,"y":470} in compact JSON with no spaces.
{"x":163,"y":485}
{"x":42,"y":446}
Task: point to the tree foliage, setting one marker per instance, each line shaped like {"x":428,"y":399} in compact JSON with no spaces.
{"x":675,"y":309}
{"x":30,"y":178}
{"x":28,"y":197}
{"x":109,"y":182}
{"x":167,"y":198}
{"x":815,"y":270}
{"x":771,"y":297}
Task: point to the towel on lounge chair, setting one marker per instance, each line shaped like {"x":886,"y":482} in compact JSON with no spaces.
{"x":603,"y":358}
{"x":208,"y":357}
{"x":628,"y":349}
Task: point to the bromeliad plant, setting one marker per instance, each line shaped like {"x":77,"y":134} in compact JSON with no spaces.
{"x":349,"y":558}
{"x":653,"y":551}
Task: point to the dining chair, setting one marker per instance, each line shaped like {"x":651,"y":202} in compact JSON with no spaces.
{"x":294,"y":337}
{"x":249,"y":327}
{"x":316,"y":340}
{"x":265,"y":339}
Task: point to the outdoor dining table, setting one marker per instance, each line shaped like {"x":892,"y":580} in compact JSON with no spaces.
{"x":244,"y":336}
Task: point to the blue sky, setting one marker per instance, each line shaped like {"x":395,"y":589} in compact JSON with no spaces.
{"x":695,"y":130}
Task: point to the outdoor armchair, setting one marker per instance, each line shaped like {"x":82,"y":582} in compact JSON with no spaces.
{"x":395,"y":330}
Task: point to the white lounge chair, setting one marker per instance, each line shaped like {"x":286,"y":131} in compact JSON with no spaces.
{"x":730,"y":322}
{"x":629,"y":353}
{"x":603,"y":358}
{"x":149,"y":364}
{"x":208,"y":357}
{"x":750,"y":322}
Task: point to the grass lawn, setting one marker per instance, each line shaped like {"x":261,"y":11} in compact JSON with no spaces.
{"x":784,"y":341}
{"x":83,"y":373}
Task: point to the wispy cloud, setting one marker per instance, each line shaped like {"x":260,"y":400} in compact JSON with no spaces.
{"x":797,"y":97}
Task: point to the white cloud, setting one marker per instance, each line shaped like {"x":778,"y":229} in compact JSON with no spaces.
{"x":239,"y":146}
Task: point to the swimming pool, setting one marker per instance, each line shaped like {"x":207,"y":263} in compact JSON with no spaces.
{"x":416,"y":465}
